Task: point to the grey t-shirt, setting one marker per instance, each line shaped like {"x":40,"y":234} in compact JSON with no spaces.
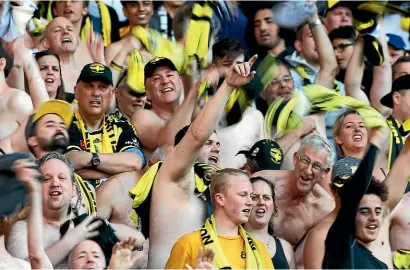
{"x":17,"y":241}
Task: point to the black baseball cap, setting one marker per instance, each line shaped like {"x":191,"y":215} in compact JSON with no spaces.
{"x":401,"y":83}
{"x":344,"y":169}
{"x":155,"y":63}
{"x":267,"y":154}
{"x":95,"y":72}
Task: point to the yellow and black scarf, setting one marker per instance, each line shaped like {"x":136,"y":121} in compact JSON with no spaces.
{"x":109,"y":135}
{"x":209,"y":235}
{"x":401,"y":259}
{"x":135,"y":73}
{"x":286,"y":115}
{"x":197,"y":37}
{"x":87,"y":195}
{"x":396,"y":142}
{"x":159,"y":46}
{"x":105,"y":22}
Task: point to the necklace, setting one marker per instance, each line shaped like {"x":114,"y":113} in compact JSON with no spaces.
{"x":269,"y":246}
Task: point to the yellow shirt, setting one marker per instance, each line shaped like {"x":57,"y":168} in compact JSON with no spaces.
{"x":186,"y":250}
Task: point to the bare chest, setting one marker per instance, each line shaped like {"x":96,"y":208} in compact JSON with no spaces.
{"x":8,"y":121}
{"x":294,"y":221}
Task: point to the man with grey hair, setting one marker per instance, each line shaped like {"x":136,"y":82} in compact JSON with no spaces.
{"x":302,"y":202}
{"x":57,"y":190}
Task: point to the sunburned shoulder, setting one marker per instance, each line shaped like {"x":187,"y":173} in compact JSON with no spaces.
{"x":143,"y":115}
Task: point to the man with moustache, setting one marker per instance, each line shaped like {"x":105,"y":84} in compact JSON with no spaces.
{"x":101,"y":146}
{"x":46,"y":131}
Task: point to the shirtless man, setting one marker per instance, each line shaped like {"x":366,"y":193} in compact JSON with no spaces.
{"x":303,"y":202}
{"x":60,"y":37}
{"x":175,"y":209}
{"x":15,"y":105}
{"x":157,"y":127}
{"x":396,"y":181}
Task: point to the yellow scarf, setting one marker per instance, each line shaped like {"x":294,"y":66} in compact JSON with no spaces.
{"x":159,"y":46}
{"x":140,"y":192}
{"x":401,"y":259}
{"x":135,"y":75}
{"x":105,"y":22}
{"x":197,"y":37}
{"x":286,"y":115}
{"x":109,"y":136}
{"x":209,"y":235}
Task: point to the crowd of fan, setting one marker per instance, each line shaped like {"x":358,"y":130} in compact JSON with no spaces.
{"x":203,"y":135}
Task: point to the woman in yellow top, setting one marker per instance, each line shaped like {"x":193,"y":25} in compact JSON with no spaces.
{"x":234,"y":248}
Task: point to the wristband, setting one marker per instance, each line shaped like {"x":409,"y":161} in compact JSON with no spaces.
{"x":315,"y":23}
{"x":116,"y":66}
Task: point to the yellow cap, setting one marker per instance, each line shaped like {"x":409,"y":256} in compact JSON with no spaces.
{"x":59,"y":107}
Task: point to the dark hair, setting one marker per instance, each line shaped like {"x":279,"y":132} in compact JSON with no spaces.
{"x":272,"y":187}
{"x":403,"y":59}
{"x":124,"y":3}
{"x":227,"y":47}
{"x":53,"y":5}
{"x":343,"y":32}
{"x":379,"y":189}
{"x":181,"y":133}
{"x":61,"y":89}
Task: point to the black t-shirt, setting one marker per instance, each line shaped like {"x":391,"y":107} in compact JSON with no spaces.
{"x":342,"y":251}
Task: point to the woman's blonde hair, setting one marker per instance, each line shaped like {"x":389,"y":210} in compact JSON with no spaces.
{"x":337,"y":129}
{"x":220,"y":181}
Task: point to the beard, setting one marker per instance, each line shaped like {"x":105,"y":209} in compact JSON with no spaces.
{"x":58,"y":143}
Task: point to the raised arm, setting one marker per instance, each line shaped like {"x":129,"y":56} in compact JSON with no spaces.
{"x":354,"y":72}
{"x":29,"y":178}
{"x":351,"y":193}
{"x":382,"y":76}
{"x":399,"y":176}
{"x":327,"y":59}
{"x":180,"y":161}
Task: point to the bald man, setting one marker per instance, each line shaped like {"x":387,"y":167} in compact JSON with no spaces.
{"x":60,"y":38}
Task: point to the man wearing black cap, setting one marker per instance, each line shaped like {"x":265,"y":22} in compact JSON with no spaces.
{"x":101,"y":146}
{"x":263,"y":155}
{"x":158,"y":126}
{"x":399,"y":100}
